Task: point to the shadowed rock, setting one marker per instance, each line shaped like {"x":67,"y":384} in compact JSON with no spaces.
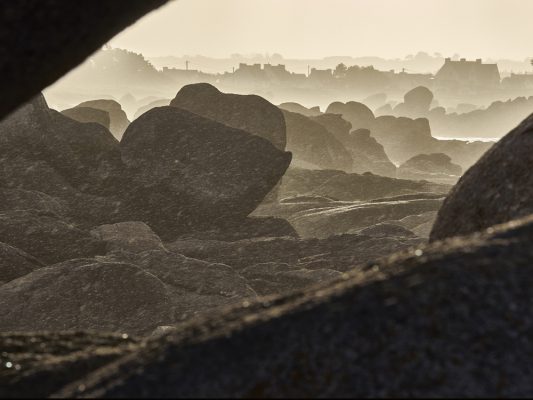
{"x":495,"y":190}
{"x":88,"y":114}
{"x":134,"y":237}
{"x":27,"y":67}
{"x":251,"y":113}
{"x":298,"y":108}
{"x":193,"y":173}
{"x":368,"y":155}
{"x":118,"y":119}
{"x":14,"y":263}
{"x":360,"y":336}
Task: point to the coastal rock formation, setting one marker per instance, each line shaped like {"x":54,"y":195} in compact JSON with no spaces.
{"x":365,"y":319}
{"x":495,"y":190}
{"x":176,"y":190}
{"x":336,"y":125}
{"x":368,"y":155}
{"x":313,"y":145}
{"x":359,"y":115}
{"x":15,"y":263}
{"x":118,"y":119}
{"x":88,"y":114}
{"x":433,"y":167}
{"x":298,"y":108}
{"x":149,"y":106}
{"x":417,"y":103}
{"x":133,"y":237}
{"x":252,"y":114}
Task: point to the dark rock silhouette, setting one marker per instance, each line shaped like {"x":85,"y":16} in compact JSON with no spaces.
{"x":27,"y":67}
{"x":241,"y":353}
{"x":433,"y":167}
{"x":251,"y":113}
{"x":313,"y":145}
{"x":88,"y":114}
{"x":118,"y":119}
{"x":177,"y":190}
{"x":495,"y":190}
{"x":359,"y":115}
{"x":298,"y":108}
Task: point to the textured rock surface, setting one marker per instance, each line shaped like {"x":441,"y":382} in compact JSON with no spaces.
{"x":118,"y":120}
{"x":85,"y":295}
{"x":46,"y":237}
{"x":495,"y":190}
{"x":133,"y":237}
{"x":41,"y":363}
{"x":470,"y":336}
{"x":14,"y":263}
{"x":167,"y":149}
{"x":250,"y":113}
{"x":313,"y":145}
{"x":67,"y":30}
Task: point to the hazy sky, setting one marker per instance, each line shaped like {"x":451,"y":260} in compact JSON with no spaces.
{"x":318,"y":28}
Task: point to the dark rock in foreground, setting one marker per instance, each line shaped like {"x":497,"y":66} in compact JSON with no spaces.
{"x":193,"y":173}
{"x":15,"y":263}
{"x":313,"y":146}
{"x":450,"y":320}
{"x":251,"y":113}
{"x":495,"y":190}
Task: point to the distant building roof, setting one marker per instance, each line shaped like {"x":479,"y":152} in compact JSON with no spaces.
{"x":469,"y":72}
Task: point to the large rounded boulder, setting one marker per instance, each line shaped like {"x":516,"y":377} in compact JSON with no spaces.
{"x":249,"y":113}
{"x":495,"y":190}
{"x":191,"y":172}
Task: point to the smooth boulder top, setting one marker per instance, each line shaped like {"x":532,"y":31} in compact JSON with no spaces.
{"x":249,"y":113}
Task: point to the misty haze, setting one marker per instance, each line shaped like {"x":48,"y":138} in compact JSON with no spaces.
{"x":269,"y":198}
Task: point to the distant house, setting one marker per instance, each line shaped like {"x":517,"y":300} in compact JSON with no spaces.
{"x":473,"y":75}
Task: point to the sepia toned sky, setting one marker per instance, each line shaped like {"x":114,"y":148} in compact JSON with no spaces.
{"x":319,"y":28}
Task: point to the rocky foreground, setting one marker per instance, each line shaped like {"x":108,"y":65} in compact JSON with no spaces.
{"x":223,"y":270}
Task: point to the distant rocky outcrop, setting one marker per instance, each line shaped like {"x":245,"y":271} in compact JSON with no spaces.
{"x":298,"y":108}
{"x":368,"y":155}
{"x":192,"y":173}
{"x":252,"y":114}
{"x":495,"y":190}
{"x":149,"y":106}
{"x":118,"y":119}
{"x":313,"y":145}
{"x":359,"y":115}
{"x":433,"y":167}
{"x":417,"y":103}
{"x":336,"y":125}
{"x":88,"y":114}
